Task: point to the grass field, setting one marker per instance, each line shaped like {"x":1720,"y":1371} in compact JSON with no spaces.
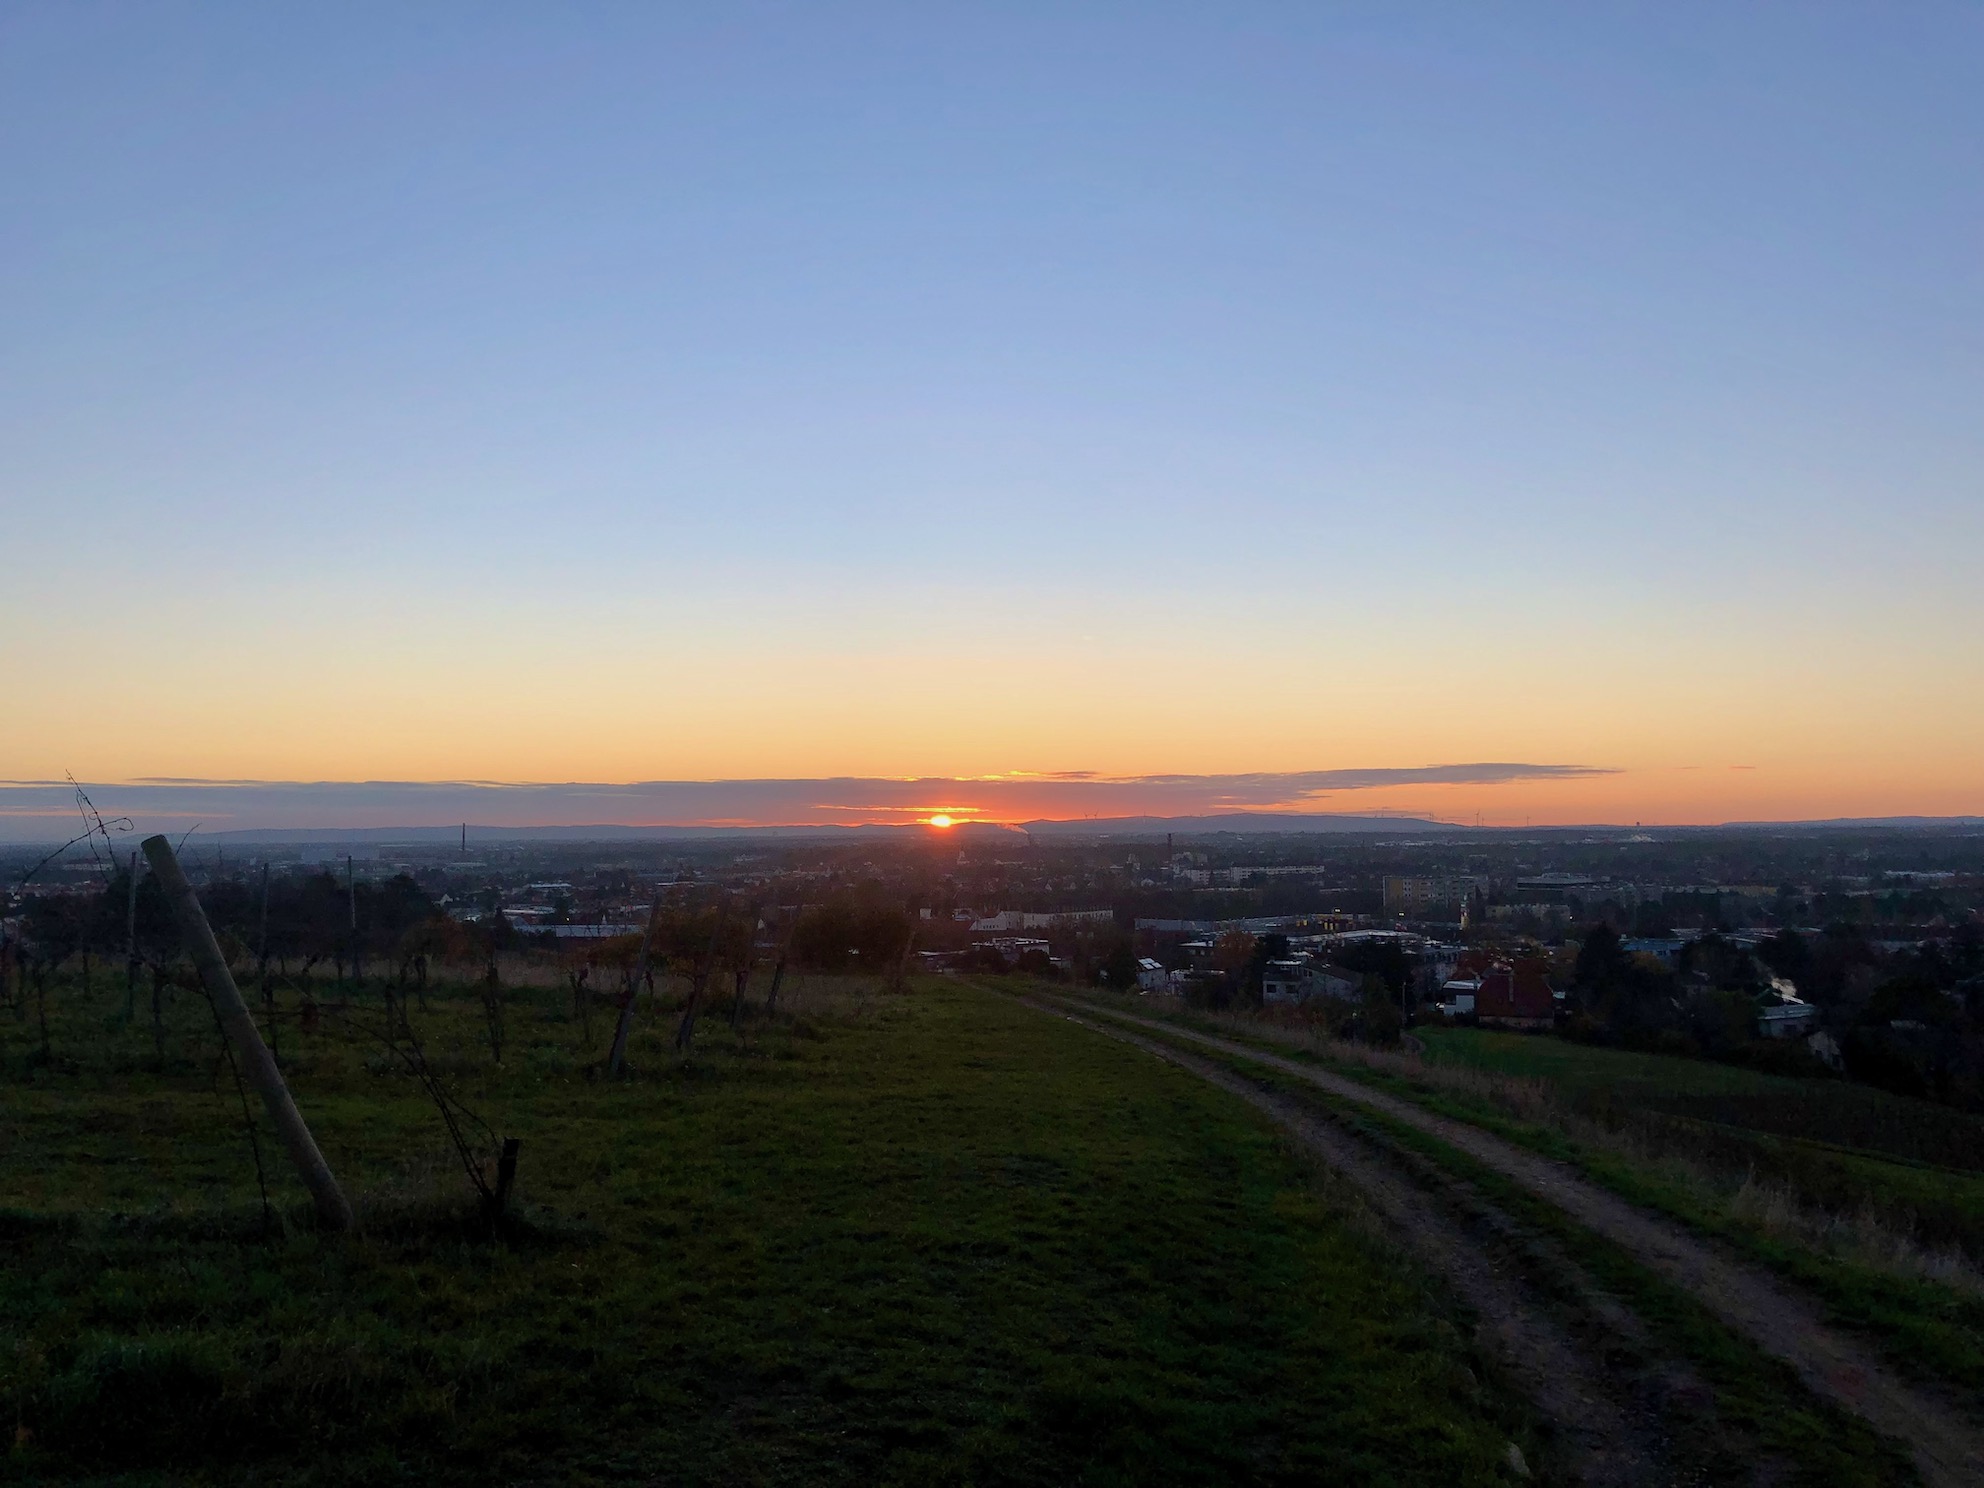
{"x":1836,"y":1113}
{"x":1759,"y":1408}
{"x":1889,"y":1242}
{"x":1843,"y":1148}
{"x":913,"y":1238}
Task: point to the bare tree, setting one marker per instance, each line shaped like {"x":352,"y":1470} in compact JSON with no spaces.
{"x":617,"y":1061}
{"x":685,"y":1032}
{"x":470,"y":1134}
{"x":745,"y":956}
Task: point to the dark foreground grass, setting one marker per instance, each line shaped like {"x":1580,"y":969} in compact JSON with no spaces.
{"x":1843,"y":1148}
{"x":1834,"y":1114}
{"x":1927,"y":1330}
{"x":928,"y":1238}
{"x":1761,"y":1410}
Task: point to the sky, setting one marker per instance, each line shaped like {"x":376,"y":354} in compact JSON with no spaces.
{"x":614,"y":394}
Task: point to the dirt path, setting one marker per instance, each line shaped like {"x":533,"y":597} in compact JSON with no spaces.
{"x":1946,"y":1448}
{"x":1601,"y":1441}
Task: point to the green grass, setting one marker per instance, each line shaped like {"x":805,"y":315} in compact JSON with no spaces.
{"x":1827,"y":1113}
{"x":1760,"y":1406}
{"x":1845,"y":1148}
{"x":1928,"y":1331}
{"x":925,"y":1238}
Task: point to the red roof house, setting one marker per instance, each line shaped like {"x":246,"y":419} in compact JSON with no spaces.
{"x":1515,"y":994}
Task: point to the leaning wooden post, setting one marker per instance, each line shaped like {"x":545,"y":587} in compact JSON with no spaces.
{"x":239,"y":1027}
{"x":131,"y":944}
{"x":618,"y":1058}
{"x":778,"y":971}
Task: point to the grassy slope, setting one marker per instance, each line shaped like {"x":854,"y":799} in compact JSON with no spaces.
{"x":1836,"y":1113}
{"x":938,"y":1239}
{"x":1929,"y":1331}
{"x":1846,"y":1147}
{"x":1760,"y":1407}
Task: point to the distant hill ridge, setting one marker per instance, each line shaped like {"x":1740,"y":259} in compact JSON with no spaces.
{"x":1234,"y":823}
{"x":1239,"y":821}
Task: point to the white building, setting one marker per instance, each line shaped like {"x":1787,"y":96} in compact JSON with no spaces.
{"x":1298,"y":981}
{"x":1787,"y":1020}
{"x":1457,"y":995}
{"x":1015,"y":919}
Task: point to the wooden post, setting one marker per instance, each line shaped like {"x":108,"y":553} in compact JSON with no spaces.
{"x":778,"y":970}
{"x":262,"y":972}
{"x":617,"y":1060}
{"x":492,"y":1008}
{"x":131,"y":943}
{"x":249,"y":1050}
{"x":778,"y":977}
{"x":506,"y":1175}
{"x":743,"y":969}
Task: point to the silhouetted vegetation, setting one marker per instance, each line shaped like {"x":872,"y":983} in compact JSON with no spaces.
{"x":1910,"y":1020}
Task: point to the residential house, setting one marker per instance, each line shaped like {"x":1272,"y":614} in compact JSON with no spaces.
{"x":1515,"y":994}
{"x":1298,"y":981}
{"x":1457,"y":995}
{"x":1787,"y":1020}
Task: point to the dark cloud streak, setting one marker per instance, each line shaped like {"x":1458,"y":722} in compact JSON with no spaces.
{"x":27,"y":808}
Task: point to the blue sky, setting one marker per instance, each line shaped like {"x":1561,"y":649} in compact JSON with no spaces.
{"x":1280,"y":347}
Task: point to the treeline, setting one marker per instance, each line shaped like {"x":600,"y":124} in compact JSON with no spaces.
{"x":298,"y":922}
{"x":850,"y":932}
{"x":1910,"y":1021}
{"x":316,"y":920}
{"x":1704,"y":910}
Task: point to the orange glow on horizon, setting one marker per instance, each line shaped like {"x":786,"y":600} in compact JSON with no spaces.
{"x":1746,"y":745}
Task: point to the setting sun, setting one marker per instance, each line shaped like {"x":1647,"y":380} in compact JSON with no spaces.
{"x":941,"y":820}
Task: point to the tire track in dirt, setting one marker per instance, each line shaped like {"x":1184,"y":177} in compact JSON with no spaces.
{"x":1601,"y":1443}
{"x":1787,"y":1326}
